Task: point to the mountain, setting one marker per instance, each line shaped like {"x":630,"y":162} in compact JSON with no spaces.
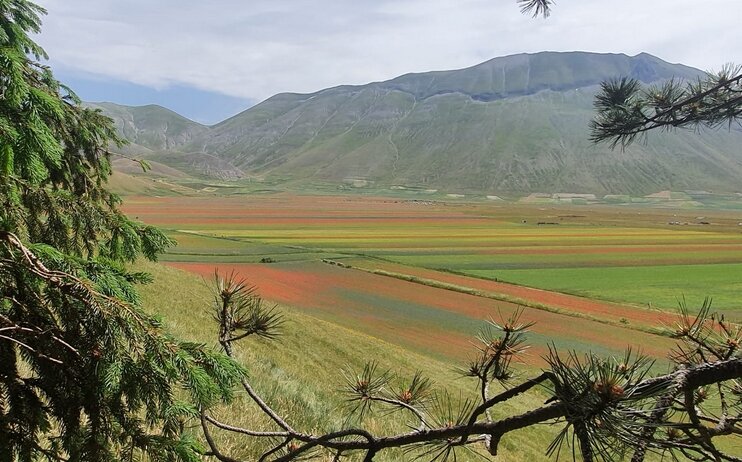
{"x":152,"y":128}
{"x":515,"y":124}
{"x":160,"y":134}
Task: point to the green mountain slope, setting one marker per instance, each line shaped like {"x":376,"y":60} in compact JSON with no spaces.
{"x":516,"y":124}
{"x":152,"y":127}
{"x":160,"y":134}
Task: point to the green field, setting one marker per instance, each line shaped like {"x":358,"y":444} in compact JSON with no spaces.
{"x":659,"y":285}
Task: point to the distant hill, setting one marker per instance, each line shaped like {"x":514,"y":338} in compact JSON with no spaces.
{"x":516,"y":124}
{"x":160,"y":134}
{"x":152,"y":127}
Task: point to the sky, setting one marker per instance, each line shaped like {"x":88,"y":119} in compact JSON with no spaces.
{"x":210,"y":59}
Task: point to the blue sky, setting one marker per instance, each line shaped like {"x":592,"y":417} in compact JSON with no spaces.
{"x":210,"y":59}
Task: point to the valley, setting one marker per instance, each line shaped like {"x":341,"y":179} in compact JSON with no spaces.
{"x":344,"y":231}
{"x":392,"y":222}
{"x":423,"y":275}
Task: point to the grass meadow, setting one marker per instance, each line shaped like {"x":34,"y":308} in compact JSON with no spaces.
{"x":658,"y":285}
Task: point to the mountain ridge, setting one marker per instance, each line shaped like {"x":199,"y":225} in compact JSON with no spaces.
{"x":510,"y":124}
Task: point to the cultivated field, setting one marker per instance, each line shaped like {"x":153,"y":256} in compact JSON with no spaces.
{"x":424,"y":274}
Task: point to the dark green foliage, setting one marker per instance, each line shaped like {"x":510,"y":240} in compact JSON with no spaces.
{"x":499,"y":344}
{"x":85,"y":372}
{"x":362,"y":387}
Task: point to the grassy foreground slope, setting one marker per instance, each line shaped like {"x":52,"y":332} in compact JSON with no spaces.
{"x":301,"y":373}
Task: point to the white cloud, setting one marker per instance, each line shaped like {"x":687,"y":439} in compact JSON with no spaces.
{"x":258,"y":48}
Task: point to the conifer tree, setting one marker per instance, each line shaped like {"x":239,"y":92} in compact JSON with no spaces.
{"x":85,"y":372}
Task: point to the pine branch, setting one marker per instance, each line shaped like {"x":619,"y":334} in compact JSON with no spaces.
{"x":602,"y":401}
{"x":536,"y":7}
{"x":625,"y":111}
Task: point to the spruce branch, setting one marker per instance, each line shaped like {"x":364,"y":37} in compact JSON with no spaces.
{"x":89,"y":353}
